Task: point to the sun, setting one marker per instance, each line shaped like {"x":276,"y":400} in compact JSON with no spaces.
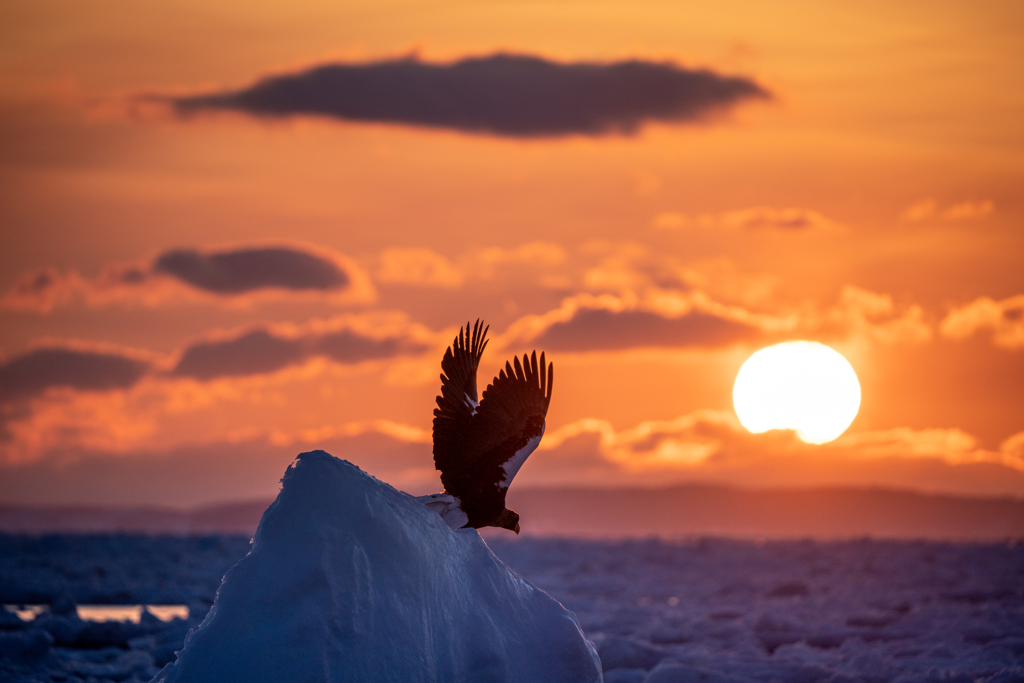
{"x":799,"y":385}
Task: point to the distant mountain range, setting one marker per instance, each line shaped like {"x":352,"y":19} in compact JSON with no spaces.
{"x":726,"y":511}
{"x":231,"y":518}
{"x":685,"y":510}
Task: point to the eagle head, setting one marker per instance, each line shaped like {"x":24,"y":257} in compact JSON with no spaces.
{"x":508,"y":519}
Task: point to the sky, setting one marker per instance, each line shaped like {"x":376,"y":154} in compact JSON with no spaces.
{"x":233,"y":232}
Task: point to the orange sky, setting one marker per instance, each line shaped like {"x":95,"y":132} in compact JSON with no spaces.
{"x":872,"y":203}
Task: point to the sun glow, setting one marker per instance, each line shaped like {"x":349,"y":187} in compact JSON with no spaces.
{"x":800,"y":385}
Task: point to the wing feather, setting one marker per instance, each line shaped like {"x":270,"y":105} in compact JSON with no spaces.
{"x":458,"y":400}
{"x":511,"y":413}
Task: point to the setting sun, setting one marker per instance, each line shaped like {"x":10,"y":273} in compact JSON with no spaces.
{"x":800,"y":385}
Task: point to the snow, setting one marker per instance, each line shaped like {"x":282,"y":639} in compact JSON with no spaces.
{"x":727,"y":610}
{"x":351,"y":580}
{"x":448,"y":506}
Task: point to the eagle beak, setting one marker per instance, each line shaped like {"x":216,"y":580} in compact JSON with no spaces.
{"x":516,"y":529}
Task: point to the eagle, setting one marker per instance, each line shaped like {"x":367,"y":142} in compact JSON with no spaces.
{"x":479,"y":445}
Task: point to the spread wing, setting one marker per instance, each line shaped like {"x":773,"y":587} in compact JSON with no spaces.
{"x":509,"y":421}
{"x":458,"y":400}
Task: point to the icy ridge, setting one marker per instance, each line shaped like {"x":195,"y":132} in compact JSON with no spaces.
{"x":351,"y":580}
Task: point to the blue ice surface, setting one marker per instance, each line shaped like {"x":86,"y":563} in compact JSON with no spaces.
{"x":350,"y":580}
{"x":706,"y":609}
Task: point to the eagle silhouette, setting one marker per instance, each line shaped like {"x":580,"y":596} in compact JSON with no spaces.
{"x":480,"y":445}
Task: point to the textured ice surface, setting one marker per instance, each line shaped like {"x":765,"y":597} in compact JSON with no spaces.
{"x":351,"y":580}
{"x":700,"y":610}
{"x":725,"y":610}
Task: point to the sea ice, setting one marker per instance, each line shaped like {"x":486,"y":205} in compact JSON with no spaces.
{"x":351,"y":580}
{"x":780,"y":611}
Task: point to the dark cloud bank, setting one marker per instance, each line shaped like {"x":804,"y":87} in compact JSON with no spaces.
{"x":225,"y":273}
{"x":261,"y":351}
{"x":244,"y":270}
{"x":255,"y":352}
{"x":604,"y":330}
{"x":502,"y":94}
{"x":34,"y":372}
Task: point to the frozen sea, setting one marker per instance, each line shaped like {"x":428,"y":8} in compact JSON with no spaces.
{"x":707,"y":609}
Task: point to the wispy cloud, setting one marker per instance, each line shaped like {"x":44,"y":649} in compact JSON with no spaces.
{"x":1013,"y":450}
{"x":597,"y":329}
{"x":74,"y":396}
{"x":705,"y":445}
{"x":232,"y":274}
{"x":790,"y":219}
{"x":423,"y":267}
{"x":874,"y":316}
{"x":930,"y":210}
{"x":60,"y":373}
{"x":268,"y":349}
{"x":418,"y":266}
{"x":677,"y":319}
{"x":242,"y":469}
{"x":613,"y":323}
{"x":708,"y":443}
{"x":502,"y":94}
{"x":1005,"y":319}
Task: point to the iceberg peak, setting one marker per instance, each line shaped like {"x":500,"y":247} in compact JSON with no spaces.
{"x":351,"y":580}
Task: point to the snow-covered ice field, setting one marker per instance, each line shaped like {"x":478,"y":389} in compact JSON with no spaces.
{"x":701,"y":610}
{"x":860,"y":610}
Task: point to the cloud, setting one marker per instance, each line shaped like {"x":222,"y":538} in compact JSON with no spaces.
{"x":630,"y":276}
{"x":244,"y":469}
{"x":791,"y":219}
{"x":252,"y":353}
{"x":687,"y":441}
{"x":929,"y":209}
{"x":1004,"y":318}
{"x":267,"y":349}
{"x":346,"y":346}
{"x":229,"y":385}
{"x":643,"y":315}
{"x":953,"y":445}
{"x":226,"y":274}
{"x":32,"y":373}
{"x":1013,"y":451}
{"x":613,"y":323}
{"x":244,"y":273}
{"x":247,"y":269}
{"x":597,"y":329}
{"x":722,"y":278}
{"x":260,"y":350}
{"x":421,"y":267}
{"x":634,"y":269}
{"x":702,"y":446}
{"x":425,"y":268}
{"x":708,"y":445}
{"x":40,"y":290}
{"x":483,"y":262}
{"x":502,"y":94}
{"x":872,"y":315}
